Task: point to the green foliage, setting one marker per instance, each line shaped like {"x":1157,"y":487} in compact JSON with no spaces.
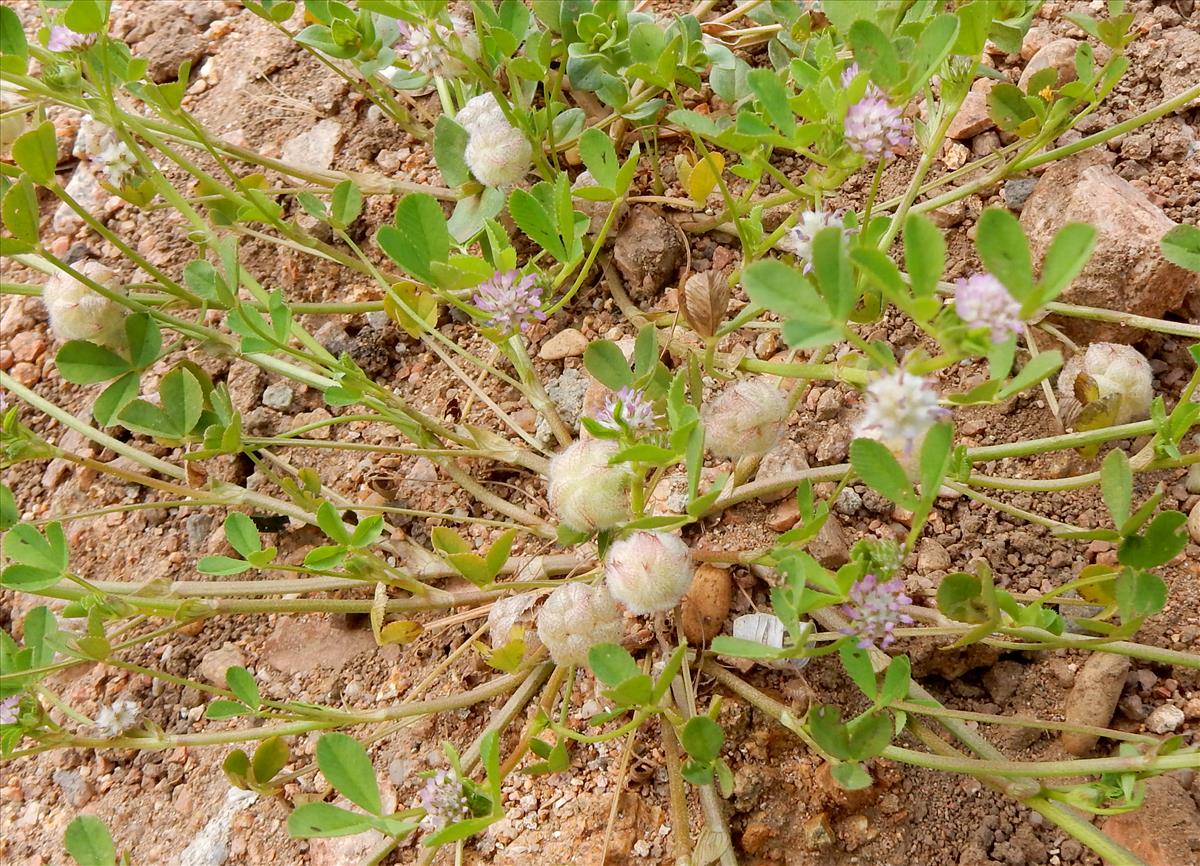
{"x":88,"y":841}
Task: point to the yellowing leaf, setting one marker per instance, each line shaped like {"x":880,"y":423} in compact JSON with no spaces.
{"x":401,"y":631}
{"x":506,"y":658}
{"x":703,"y":177}
{"x":423,"y":307}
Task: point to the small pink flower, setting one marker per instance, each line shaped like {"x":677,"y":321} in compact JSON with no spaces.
{"x":444,"y":800}
{"x":630,"y":408}
{"x":512,"y":300}
{"x":874,"y":128}
{"x":981,"y":301}
{"x":63,"y":38}
{"x":874,"y":611}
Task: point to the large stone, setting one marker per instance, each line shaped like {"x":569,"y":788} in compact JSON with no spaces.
{"x":1165,"y":831}
{"x":215,"y":662}
{"x":1093,"y":699}
{"x":291,"y":650}
{"x":830,"y":547}
{"x":1060,"y":54}
{"x":567,"y":343}
{"x":973,"y":118}
{"x":1127,"y":272}
{"x":648,"y":252}
{"x":315,"y":148}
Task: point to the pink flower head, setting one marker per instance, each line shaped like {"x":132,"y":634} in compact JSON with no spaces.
{"x":444,"y":800}
{"x":8,"y":710}
{"x":874,"y":128}
{"x":63,"y":38}
{"x":874,"y":611}
{"x":629,"y":408}
{"x":982,"y":302}
{"x":512,"y":300}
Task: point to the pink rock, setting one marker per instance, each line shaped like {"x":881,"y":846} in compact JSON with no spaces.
{"x":1127,"y":271}
{"x":1165,"y":831}
{"x":1060,"y":54}
{"x":972,"y":118}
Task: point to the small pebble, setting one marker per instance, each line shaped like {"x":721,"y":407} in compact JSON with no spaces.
{"x":1164,"y":719}
{"x":277,"y":396}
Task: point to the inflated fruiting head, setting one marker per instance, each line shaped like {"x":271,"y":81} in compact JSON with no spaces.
{"x":497,"y":154}
{"x":575,"y":618}
{"x":586,"y":492}
{"x":78,"y":313}
{"x":1108,"y":384}
{"x":648,"y":572}
{"x":746,"y":418}
{"x":479,"y":112}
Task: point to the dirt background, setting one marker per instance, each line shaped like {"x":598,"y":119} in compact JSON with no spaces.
{"x":252,"y":86}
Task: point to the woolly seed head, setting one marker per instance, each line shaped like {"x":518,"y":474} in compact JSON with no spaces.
{"x":78,"y":313}
{"x":575,"y":618}
{"x":1118,"y":373}
{"x":981,"y":301}
{"x":117,"y":719}
{"x":498,"y":154}
{"x":586,"y":492}
{"x":479,"y":111}
{"x":746,"y":418}
{"x":648,"y":572}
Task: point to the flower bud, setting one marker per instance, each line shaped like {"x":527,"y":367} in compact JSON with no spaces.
{"x":746,"y":418}
{"x":585,"y":491}
{"x":78,"y":313}
{"x":648,"y":572}
{"x":498,"y":154}
{"x":575,"y":618}
{"x":1108,"y":384}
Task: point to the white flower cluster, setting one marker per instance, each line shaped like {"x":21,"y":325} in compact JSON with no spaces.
{"x":981,"y":301}
{"x":115,"y":720}
{"x":98,"y":144}
{"x":901,"y":407}
{"x":427,"y":49}
{"x":497,"y":153}
{"x":746,"y":418}
{"x":78,"y":313}
{"x":575,"y":618}
{"x":799,"y":239}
